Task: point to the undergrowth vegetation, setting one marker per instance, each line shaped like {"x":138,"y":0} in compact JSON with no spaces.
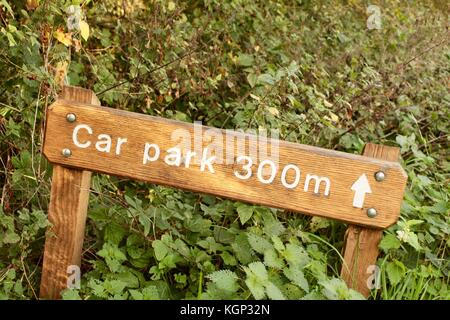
{"x":311,"y":69}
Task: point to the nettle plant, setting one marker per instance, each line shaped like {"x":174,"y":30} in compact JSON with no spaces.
{"x":181,"y":240}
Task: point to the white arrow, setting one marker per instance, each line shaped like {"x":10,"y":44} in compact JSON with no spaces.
{"x":361,"y":187}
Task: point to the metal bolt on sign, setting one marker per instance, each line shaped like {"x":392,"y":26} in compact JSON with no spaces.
{"x":380,"y":176}
{"x":66,"y":152}
{"x":70,"y":117}
{"x":371,"y":212}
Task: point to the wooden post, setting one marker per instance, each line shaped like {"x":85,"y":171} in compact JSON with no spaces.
{"x":67,"y":213}
{"x":361,"y":244}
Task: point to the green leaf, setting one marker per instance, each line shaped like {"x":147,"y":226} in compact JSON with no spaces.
{"x":257,"y":278}
{"x":336,"y":289}
{"x":136,"y":295}
{"x":440,"y":207}
{"x":245,"y":60}
{"x":252,"y":78}
{"x":413,"y":222}
{"x":150,"y":293}
{"x":272,"y":260}
{"x":182,"y":248}
{"x":114,"y":233}
{"x":114,"y":286}
{"x":11,"y":237}
{"x":160,"y":248}
{"x":388,"y":242}
{"x":296,"y":255}
{"x":18,"y":288}
{"x":11,"y":40}
{"x":129,"y":279}
{"x":259,"y":244}
{"x":245,"y":212}
{"x":259,"y":270}
{"x":97,"y":288}
{"x":266,"y":78}
{"x":278,"y":244}
{"x":395,"y":271}
{"x":225,"y":280}
{"x":410,"y":238}
{"x":273,"y":292}
{"x":198,"y":224}
{"x":273,"y":227}
{"x":318,"y":223}
{"x":296,"y":275}
{"x":242,"y":249}
{"x":228,"y":259}
{"x":113,"y":256}
{"x":257,"y":289}
{"x":292,"y":292}
{"x":70,"y":294}
{"x":146,"y":222}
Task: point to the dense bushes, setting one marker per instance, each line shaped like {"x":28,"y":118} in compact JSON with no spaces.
{"x":311,"y":69}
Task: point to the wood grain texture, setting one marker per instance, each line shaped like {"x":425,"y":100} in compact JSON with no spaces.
{"x":361,"y":244}
{"x":67,"y":213}
{"x":342,"y":169}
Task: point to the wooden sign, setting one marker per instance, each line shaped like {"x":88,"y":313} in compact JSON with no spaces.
{"x":81,"y":137}
{"x":351,"y":188}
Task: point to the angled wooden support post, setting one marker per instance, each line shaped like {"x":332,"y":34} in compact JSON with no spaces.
{"x":67,"y":213}
{"x":360,"y":243}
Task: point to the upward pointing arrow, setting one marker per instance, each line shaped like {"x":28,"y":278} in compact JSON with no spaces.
{"x":361,"y":187}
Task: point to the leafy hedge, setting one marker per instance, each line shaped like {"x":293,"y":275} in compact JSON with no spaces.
{"x":311,"y":69}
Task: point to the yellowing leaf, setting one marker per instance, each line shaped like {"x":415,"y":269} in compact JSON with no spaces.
{"x":171,"y":6}
{"x":32,"y":4}
{"x":334,"y":117}
{"x":64,"y":38}
{"x":255,"y":97}
{"x":84,"y":30}
{"x":327,"y":103}
{"x":274,"y":111}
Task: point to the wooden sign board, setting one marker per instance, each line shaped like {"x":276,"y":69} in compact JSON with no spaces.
{"x":82,"y":137}
{"x":355,"y":189}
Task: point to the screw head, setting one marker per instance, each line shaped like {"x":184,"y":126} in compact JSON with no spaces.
{"x":380,"y":176}
{"x":371,"y":212}
{"x":66,"y":153}
{"x":71,"y":117}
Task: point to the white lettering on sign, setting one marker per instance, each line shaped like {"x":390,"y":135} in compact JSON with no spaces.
{"x":104,"y":141}
{"x":296,"y":179}
{"x":147,"y":157}
{"x":189,"y":156}
{"x":173,"y":157}
{"x":273,"y":171}
{"x":207,"y":161}
{"x":317,"y":180}
{"x":247,"y":167}
{"x":246,"y":172}
{"x":120,"y":141}
{"x":266,"y":171}
{"x":75,"y":136}
{"x":360,"y":187}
